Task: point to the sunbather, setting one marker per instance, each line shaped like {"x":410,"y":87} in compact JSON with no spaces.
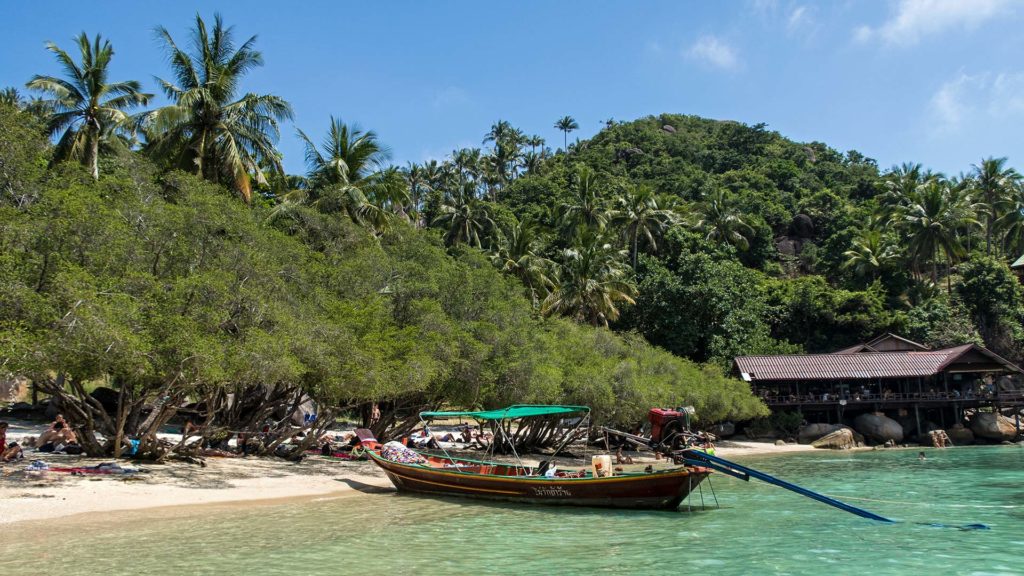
{"x":58,"y":433}
{"x":10,"y":451}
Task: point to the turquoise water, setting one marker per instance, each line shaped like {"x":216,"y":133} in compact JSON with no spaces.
{"x":759,"y":529}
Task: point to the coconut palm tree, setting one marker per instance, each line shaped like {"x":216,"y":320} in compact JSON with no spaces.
{"x":721,"y":222}
{"x":517,"y":252}
{"x":90,"y":111}
{"x":208,"y":129}
{"x":869,"y":254}
{"x":640,"y":216}
{"x":592,"y":280}
{"x":418,"y":178}
{"x":566,"y":124}
{"x":466,"y":219}
{"x":993,"y":183}
{"x":348,"y":173}
{"x":1011,"y":223}
{"x":930,"y":222}
{"x":585,"y":207}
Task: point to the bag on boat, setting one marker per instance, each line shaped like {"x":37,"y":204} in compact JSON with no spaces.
{"x":396,"y":452}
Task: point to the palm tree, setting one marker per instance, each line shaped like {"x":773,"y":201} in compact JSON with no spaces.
{"x":869,"y":254}
{"x":722,"y":223}
{"x":467,"y":219}
{"x":84,"y":106}
{"x":639,"y":215}
{"x":592,"y":280}
{"x":1011,"y":223}
{"x":585,"y":208}
{"x":931,"y":221}
{"x":208,"y":129}
{"x":993,"y":181}
{"x":566,"y":124}
{"x":348,"y":172}
{"x":517,"y":252}
{"x":418,"y":178}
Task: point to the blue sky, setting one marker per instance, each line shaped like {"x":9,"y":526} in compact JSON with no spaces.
{"x":939,"y":82}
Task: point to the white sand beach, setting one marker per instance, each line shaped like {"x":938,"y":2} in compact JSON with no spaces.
{"x":26,"y":496}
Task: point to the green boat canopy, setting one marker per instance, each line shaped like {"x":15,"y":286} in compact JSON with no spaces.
{"x":512,"y":412}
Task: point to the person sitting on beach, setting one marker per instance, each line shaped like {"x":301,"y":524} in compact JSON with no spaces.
{"x":621,"y":458}
{"x":58,"y":433}
{"x":10,"y":451}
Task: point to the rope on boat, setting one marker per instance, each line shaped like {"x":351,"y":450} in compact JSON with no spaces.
{"x":713,"y":495}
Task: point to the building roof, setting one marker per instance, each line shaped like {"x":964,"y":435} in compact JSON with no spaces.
{"x":875,"y":365}
{"x":887,"y":342}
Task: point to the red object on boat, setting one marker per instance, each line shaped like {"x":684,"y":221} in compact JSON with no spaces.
{"x":660,"y":418}
{"x":445,"y":476}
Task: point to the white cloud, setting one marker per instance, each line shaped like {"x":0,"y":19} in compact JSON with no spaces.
{"x":715,"y":52}
{"x":985,"y":98}
{"x":912,"y":20}
{"x":800,"y":18}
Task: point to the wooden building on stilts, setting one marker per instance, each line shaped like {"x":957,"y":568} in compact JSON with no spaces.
{"x":889,"y":374}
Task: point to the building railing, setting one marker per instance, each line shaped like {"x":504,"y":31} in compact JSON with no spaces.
{"x":870,"y":398}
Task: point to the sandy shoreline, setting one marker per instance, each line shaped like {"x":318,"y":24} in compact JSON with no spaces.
{"x":26,"y":497}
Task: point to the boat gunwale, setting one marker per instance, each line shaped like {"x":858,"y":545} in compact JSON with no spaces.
{"x":681,"y":471}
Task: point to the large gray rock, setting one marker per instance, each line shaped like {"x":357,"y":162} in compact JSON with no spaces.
{"x":879,"y":428}
{"x":993,"y":426}
{"x":811,"y":432}
{"x":841,"y":439}
{"x":960,"y":435}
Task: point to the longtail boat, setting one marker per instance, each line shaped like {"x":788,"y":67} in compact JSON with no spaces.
{"x":444,"y":475}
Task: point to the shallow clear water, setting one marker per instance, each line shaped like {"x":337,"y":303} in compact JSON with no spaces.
{"x":758,"y":529}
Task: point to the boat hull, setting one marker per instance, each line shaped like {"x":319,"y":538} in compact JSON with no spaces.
{"x":661,"y":490}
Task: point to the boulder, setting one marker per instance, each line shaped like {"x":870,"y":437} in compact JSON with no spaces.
{"x":812,"y":432}
{"x":107,"y":397}
{"x":993,"y":426}
{"x":802,"y":226}
{"x":960,"y":436}
{"x":789,"y":246}
{"x":780,"y":442}
{"x":879,"y":428}
{"x":841,"y":439}
{"x":669,"y":128}
{"x":723,"y":430}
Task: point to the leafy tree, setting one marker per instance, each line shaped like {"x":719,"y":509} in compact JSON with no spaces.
{"x":208,"y":129}
{"x":86,"y":109}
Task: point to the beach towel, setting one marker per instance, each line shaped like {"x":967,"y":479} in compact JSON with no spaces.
{"x":396,"y":452}
{"x":104,"y":468}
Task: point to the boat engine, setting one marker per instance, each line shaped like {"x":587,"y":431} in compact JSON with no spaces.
{"x":669,"y":427}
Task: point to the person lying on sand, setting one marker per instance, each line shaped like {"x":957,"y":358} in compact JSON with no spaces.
{"x":10,"y":451}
